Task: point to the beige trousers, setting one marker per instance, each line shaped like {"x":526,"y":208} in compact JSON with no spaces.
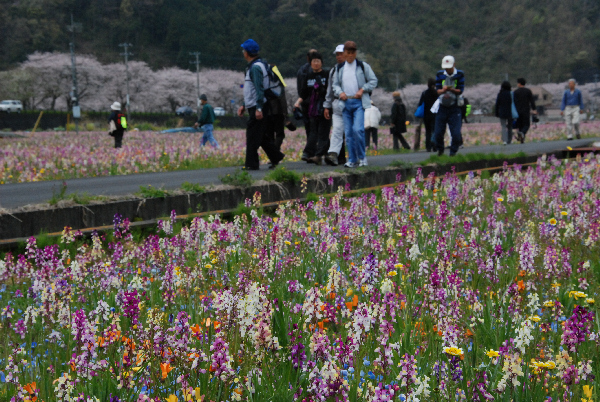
{"x":571,"y":114}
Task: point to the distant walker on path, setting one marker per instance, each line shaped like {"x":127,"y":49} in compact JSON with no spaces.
{"x":118,"y":124}
{"x":571,"y":107}
{"x":524,"y":103}
{"x":206,"y":120}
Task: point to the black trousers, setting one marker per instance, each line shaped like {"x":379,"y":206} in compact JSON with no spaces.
{"x":118,"y":136}
{"x":318,"y":137}
{"x":256,"y":138}
{"x":429,"y":127}
{"x":523,"y":122}
{"x":276,"y":129}
{"x":371,"y":131}
{"x":399,"y":138}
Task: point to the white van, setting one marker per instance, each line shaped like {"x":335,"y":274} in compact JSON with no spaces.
{"x":11,"y":106}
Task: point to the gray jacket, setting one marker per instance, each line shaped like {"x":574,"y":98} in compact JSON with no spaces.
{"x":366,"y":80}
{"x":332,"y":102}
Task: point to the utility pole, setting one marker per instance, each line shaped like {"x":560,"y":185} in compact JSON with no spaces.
{"x":74,"y":27}
{"x":125,"y":46}
{"x":397,"y":81}
{"x":506,"y":76}
{"x":595,"y":91}
{"x":197,"y":62}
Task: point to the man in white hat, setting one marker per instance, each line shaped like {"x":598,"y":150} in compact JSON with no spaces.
{"x":450,"y":84}
{"x":337,"y":150}
{"x":118,"y":124}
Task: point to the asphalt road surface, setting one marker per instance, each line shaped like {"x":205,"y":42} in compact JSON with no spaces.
{"x":21,"y":194}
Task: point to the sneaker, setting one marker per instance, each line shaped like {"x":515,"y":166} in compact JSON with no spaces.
{"x":305,"y":158}
{"x":504,"y":143}
{"x":570,"y":139}
{"x":349,"y":164}
{"x":362,"y":162}
{"x":331,"y":159}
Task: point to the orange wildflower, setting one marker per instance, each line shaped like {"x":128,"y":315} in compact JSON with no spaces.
{"x":320,"y":323}
{"x":521,"y":285}
{"x":100,"y":342}
{"x":355,"y":301}
{"x":332,"y":295}
{"x":31,"y":389}
{"x":522,"y":273}
{"x":349,"y":306}
{"x":196,"y":329}
{"x":469,"y":333}
{"x":165,"y":368}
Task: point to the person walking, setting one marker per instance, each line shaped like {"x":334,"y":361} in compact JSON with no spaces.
{"x":300,"y":79}
{"x":118,"y":124}
{"x":206,"y":120}
{"x":503,"y":108}
{"x":372,"y":118}
{"x":314,"y":89}
{"x":571,"y":107}
{"x":336,"y":155}
{"x":277,"y":119}
{"x":255,"y":82}
{"x":398,"y":122}
{"x":428,"y":98}
{"x":353,"y":82}
{"x":524,"y":103}
{"x":450,"y":84}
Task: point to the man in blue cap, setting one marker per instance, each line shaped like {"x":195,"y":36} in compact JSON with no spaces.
{"x":255,"y":82}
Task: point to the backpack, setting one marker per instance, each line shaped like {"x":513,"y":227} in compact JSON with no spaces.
{"x":276,"y":82}
{"x":121,"y":122}
{"x":358,"y":64}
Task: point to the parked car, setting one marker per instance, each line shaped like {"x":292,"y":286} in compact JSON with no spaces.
{"x":184,"y":111}
{"x":11,"y":106}
{"x":219,"y":111}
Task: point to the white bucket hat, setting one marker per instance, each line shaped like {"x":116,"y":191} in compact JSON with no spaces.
{"x":115,"y":106}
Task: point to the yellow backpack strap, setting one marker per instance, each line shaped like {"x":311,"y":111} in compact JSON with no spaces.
{"x":278,"y":74}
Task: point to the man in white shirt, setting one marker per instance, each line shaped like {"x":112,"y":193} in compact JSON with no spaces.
{"x":353,"y":83}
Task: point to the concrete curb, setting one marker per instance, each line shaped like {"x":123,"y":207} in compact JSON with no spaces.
{"x":30,"y":223}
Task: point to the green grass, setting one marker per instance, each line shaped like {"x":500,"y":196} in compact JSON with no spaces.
{"x":240,"y":178}
{"x":153,"y":192}
{"x":193,"y":187}
{"x":399,"y":163}
{"x":468,"y":157}
{"x":58,"y":196}
{"x":282,"y":175}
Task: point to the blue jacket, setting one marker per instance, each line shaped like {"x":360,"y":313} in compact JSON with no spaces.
{"x":459,"y":79}
{"x":572,"y":99}
{"x":366,"y":80}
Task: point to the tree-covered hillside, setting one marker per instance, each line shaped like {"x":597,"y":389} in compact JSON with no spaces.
{"x":403,"y":39}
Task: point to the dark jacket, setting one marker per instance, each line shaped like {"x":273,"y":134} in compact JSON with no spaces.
{"x":207,"y":116}
{"x":503,"y":104}
{"x":429,"y":96}
{"x":301,"y":76}
{"x":114,"y":117}
{"x":524,"y":101}
{"x":398,"y":117}
{"x":321,"y":80}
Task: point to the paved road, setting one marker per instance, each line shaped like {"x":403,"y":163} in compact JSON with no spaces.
{"x":21,"y":194}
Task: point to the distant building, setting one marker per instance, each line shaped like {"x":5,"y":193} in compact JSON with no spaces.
{"x":543,"y":99}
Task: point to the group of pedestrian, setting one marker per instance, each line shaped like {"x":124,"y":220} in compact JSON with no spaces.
{"x":338,"y":100}
{"x":514,"y":109}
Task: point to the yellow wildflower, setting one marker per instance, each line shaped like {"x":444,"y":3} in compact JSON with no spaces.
{"x":577,"y":294}
{"x":399,"y":266}
{"x":564,"y":213}
{"x":288,"y":242}
{"x":500,"y":199}
{"x":549,"y":303}
{"x":392,"y":273}
{"x":590,"y":301}
{"x":535,"y":318}
{"x":492,"y":353}
{"x":553,"y":222}
{"x":453,"y":351}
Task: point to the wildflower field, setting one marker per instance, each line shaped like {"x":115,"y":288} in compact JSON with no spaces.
{"x":436,"y":289}
{"x":60,"y":155}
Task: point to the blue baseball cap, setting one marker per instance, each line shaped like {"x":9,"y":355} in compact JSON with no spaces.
{"x":251,"y":46}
